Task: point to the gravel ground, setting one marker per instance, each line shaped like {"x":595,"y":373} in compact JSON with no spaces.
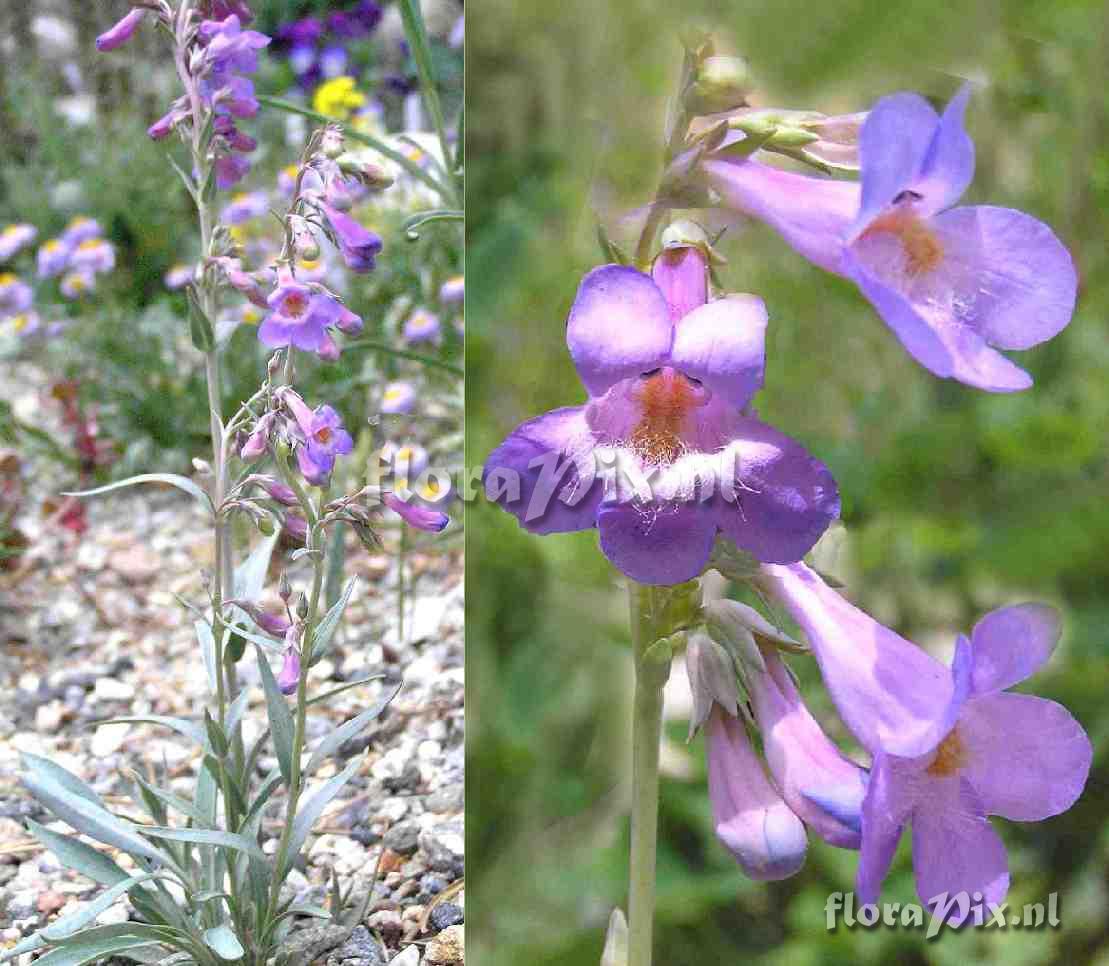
{"x":90,"y":629}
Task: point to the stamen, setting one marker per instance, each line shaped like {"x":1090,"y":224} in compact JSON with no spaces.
{"x":923,"y":250}
{"x":951,"y":756}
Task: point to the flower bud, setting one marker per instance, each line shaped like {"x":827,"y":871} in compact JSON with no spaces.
{"x":277,"y":490}
{"x":203,"y":467}
{"x":615,"y":952}
{"x":415,"y":515}
{"x":720,"y":84}
{"x":118,"y":35}
{"x":284,"y":588}
{"x":296,"y":527}
{"x":257,"y":442}
{"x":331,"y":142}
{"x":712,"y":679}
{"x":289,"y":677}
{"x":302,"y":607}
{"x":276,"y":624}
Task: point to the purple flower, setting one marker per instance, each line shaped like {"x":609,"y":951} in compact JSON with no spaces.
{"x":276,"y":624}
{"x":415,"y":514}
{"x":296,"y":527}
{"x":1014,"y":755}
{"x":259,"y":439}
{"x":230,"y":170}
{"x":322,"y":438}
{"x":222,"y":9}
{"x":52,"y":258}
{"x":15,"y":237}
{"x":81,"y":229}
{"x":453,"y":290}
{"x":305,"y":31}
{"x":398,"y":397}
{"x":244,"y":206}
{"x":333,"y":61}
{"x":822,"y":787}
{"x":422,"y":326}
{"x":369,"y":13}
{"x":358,"y":246}
{"x":93,"y":255}
{"x":15,"y":295}
{"x":952,"y":283}
{"x":289,"y":678}
{"x":178,"y":276}
{"x":889,"y":692}
{"x":118,"y":35}
{"x":750,"y":817}
{"x":667,"y":411}
{"x":74,"y":285}
{"x":300,"y":317}
{"x":230,"y":48}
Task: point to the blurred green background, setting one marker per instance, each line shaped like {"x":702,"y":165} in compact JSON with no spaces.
{"x":954,"y":501}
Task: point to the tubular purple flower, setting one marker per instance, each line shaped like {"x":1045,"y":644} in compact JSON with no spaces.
{"x":359,"y":246}
{"x":889,"y":692}
{"x":416,"y":515}
{"x":954,"y":284}
{"x":822,"y":787}
{"x":222,"y":9}
{"x":750,"y":817}
{"x":259,"y":440}
{"x":276,"y":624}
{"x":349,"y":323}
{"x":300,"y":316}
{"x":323,"y":438}
{"x":230,"y":170}
{"x":118,"y":35}
{"x":1014,"y":755}
{"x":277,"y":490}
{"x":230,"y":48}
{"x":164,"y":126}
{"x":296,"y":527}
{"x":667,"y":410}
{"x":289,"y":677}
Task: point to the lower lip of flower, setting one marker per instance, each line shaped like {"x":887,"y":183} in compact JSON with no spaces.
{"x":951,"y":756}
{"x":666,"y":398}
{"x":923,"y":250}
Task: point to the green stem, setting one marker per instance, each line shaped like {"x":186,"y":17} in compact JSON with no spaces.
{"x":651,"y":671}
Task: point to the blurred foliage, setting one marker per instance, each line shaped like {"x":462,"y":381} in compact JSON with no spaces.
{"x":954,"y":500}
{"x":73,"y":141}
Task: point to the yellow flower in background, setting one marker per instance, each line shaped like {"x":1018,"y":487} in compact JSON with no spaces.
{"x":338,"y":97}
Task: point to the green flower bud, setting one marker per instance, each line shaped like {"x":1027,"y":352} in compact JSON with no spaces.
{"x":720,"y":84}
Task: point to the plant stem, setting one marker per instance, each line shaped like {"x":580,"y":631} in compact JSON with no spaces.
{"x":650,"y":676}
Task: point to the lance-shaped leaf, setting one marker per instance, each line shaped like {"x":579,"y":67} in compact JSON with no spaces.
{"x":325,"y":629}
{"x":190,"y":729}
{"x":345,"y":732}
{"x":85,"y":814}
{"x":207,"y":644}
{"x":281,"y":718}
{"x":223,"y":942}
{"x":101,"y":942}
{"x":79,"y":856}
{"x":205,"y":836}
{"x":313,"y":808}
{"x":250,"y":575}
{"x":181,"y":482}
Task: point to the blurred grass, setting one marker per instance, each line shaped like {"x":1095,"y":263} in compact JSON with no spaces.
{"x":954,"y":501}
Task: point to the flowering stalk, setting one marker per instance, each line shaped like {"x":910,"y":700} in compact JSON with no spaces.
{"x":652,"y":668}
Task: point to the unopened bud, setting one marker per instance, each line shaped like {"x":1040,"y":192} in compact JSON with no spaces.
{"x":302,"y":607}
{"x":331,"y":142}
{"x":721,"y":84}
{"x":203,"y":467}
{"x":284,"y":588}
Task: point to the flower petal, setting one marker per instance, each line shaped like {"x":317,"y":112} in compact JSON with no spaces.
{"x":657,"y":543}
{"x":811,"y":214}
{"x":948,"y":168}
{"x":939,"y":342}
{"x":784,"y":498}
{"x":1013,"y":281}
{"x":822,"y":787}
{"x":890,"y":693}
{"x":1029,"y":757}
{"x":619,"y":326}
{"x":886,"y":809}
{"x":893,"y":145}
{"x":756,"y":826}
{"x":544,"y":473}
{"x":723,"y":345}
{"x":956,"y":851}
{"x":1012,"y":643}
{"x":681,"y":274}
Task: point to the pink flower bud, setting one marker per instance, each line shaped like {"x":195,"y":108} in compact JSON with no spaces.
{"x":276,"y":624}
{"x":258,"y":441}
{"x":289,"y":677}
{"x":415,"y":515}
{"x":118,"y":35}
{"x":296,"y":526}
